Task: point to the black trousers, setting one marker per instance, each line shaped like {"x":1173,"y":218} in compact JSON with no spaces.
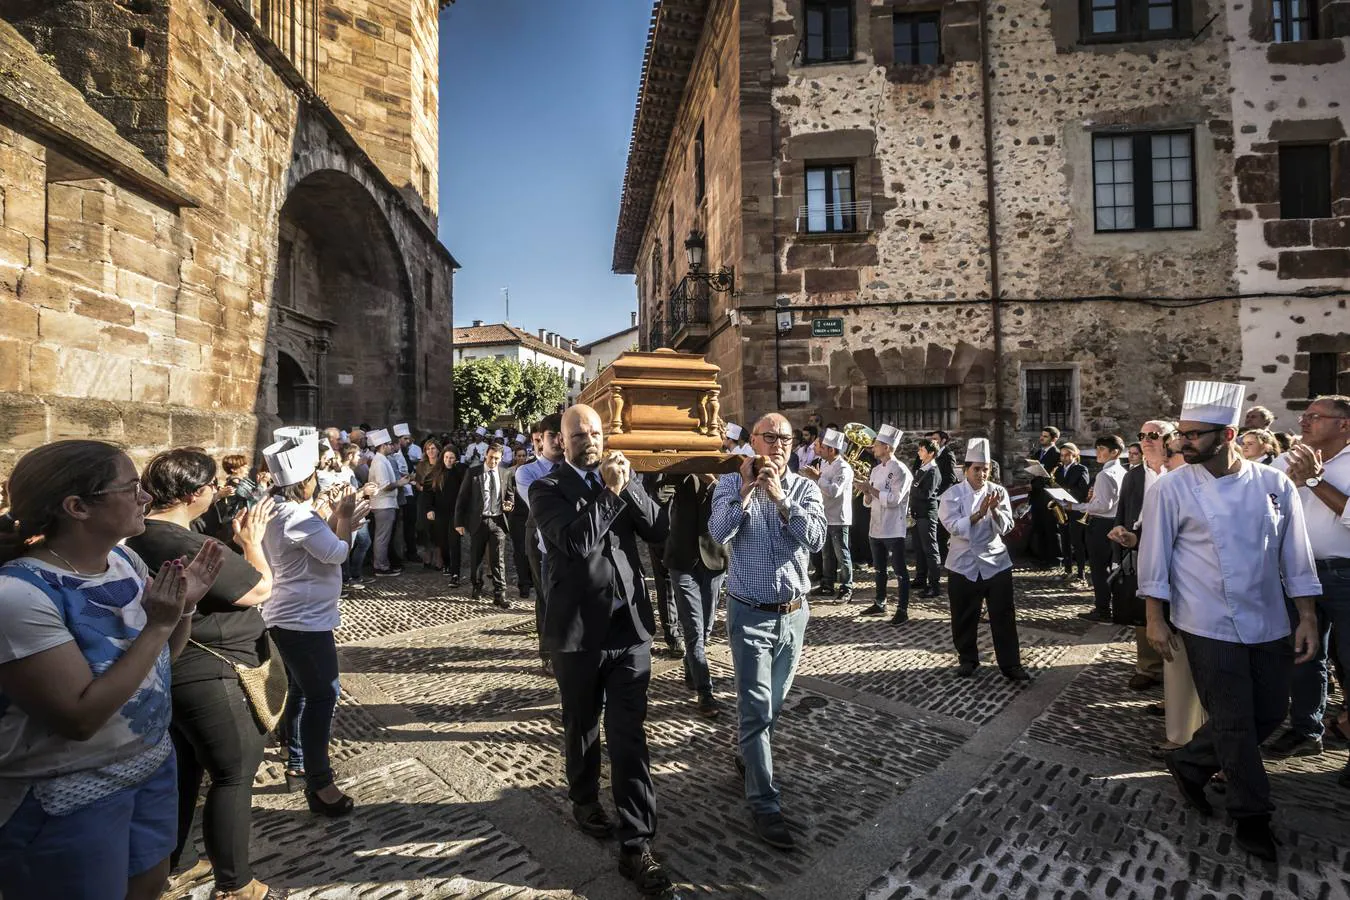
{"x":448,"y":539}
{"x":966,"y":598}
{"x":665,"y":595}
{"x":408,"y":515}
{"x":1099,"y":559}
{"x":927,"y":563}
{"x":1045,"y":543}
{"x":214,"y":733}
{"x":612,"y":682}
{"x":1073,"y":544}
{"x":1245,"y":690}
{"x":489,"y":539}
{"x":536,"y":561}
{"x":942,"y":536}
{"x":524,"y":573}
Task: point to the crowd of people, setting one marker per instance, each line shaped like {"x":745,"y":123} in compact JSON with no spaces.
{"x":159,"y":624}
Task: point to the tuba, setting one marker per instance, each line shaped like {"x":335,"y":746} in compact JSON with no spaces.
{"x":858,"y":438}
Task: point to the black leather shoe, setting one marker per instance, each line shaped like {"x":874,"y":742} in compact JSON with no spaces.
{"x":593,"y":819}
{"x":1018,"y":674}
{"x":477,"y":593}
{"x":501,"y":602}
{"x":773,"y":831}
{"x":708,"y":707}
{"x":1253,"y":834}
{"x":1094,"y":616}
{"x":1142,"y":682}
{"x":523,"y":591}
{"x":1156,"y":709}
{"x":966,"y":669}
{"x":331,"y":810}
{"x":1192,"y":792}
{"x":876,"y":609}
{"x":900,"y":617}
{"x":1291,"y":743}
{"x":648,"y":875}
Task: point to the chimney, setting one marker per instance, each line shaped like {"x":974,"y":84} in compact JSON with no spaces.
{"x":633,"y":321}
{"x":477,"y":323}
{"x":541,"y":333}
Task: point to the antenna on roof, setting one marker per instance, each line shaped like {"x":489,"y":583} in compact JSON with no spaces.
{"x":506,"y":292}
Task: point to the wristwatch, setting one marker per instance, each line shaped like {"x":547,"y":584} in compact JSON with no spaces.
{"x":1312,"y":482}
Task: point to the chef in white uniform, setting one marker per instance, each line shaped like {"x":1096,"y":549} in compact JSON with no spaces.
{"x":977,"y":513}
{"x":478,"y":449}
{"x":1223,"y":542}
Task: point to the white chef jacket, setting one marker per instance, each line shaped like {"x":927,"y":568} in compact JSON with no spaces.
{"x":1328,"y":532}
{"x":476,"y":453}
{"x":890,"y":509}
{"x":836,"y":491}
{"x":382,"y":473}
{"x":508,"y":455}
{"x":1223,"y":552}
{"x":1105,"y":491}
{"x":975,"y":551}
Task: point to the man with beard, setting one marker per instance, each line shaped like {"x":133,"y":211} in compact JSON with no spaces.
{"x":598,"y":625}
{"x":1224,"y":542}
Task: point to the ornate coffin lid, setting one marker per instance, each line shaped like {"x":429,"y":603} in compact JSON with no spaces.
{"x":657,"y":369}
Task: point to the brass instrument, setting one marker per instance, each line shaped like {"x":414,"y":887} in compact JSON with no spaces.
{"x":857,"y":439}
{"x":1061,"y":517}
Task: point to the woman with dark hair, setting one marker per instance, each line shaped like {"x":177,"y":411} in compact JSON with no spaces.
{"x":214,"y":730}
{"x":88,"y":790}
{"x":430,"y":461}
{"x":446,"y":479}
{"x":306,"y":544}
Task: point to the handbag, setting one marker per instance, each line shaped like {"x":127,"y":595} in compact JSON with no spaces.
{"x":265,"y":685}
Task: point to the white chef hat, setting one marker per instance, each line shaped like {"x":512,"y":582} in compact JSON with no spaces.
{"x":498,"y":433}
{"x":377,"y":438}
{"x":734,"y":431}
{"x":1215,"y":402}
{"x":520,"y":439}
{"x":402,"y":430}
{"x":977,"y":450}
{"x":291,"y":460}
{"x":343,"y":436}
{"x":889,"y":435}
{"x":833,"y":439}
{"x":299,"y":432}
{"x":480,"y":431}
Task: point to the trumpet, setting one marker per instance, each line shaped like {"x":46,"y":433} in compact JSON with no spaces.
{"x":1061,"y":517}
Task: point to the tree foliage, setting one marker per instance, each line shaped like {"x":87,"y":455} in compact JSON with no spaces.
{"x":484,"y":389}
{"x":542,"y":391}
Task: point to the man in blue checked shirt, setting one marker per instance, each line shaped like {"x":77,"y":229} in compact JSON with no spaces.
{"x":773,"y":521}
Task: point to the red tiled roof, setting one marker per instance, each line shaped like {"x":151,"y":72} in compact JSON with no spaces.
{"x":504,"y":333}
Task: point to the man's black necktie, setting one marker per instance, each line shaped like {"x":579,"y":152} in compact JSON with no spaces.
{"x":593,"y":483}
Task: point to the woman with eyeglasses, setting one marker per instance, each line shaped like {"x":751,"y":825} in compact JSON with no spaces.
{"x":214,"y":730}
{"x":88,"y":788}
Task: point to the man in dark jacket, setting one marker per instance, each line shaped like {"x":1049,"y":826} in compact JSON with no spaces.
{"x":480,"y":514}
{"x":923,"y":506}
{"x":1072,"y":476}
{"x":598,"y":624}
{"x":698,"y":566}
{"x":946,"y":467}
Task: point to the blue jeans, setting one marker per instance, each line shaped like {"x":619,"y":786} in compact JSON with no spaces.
{"x":1308,"y":701}
{"x":837,"y":562}
{"x":765,"y":647}
{"x":312,"y":677}
{"x":894,"y":548}
{"x":696,"y":602}
{"x":355,"y":563}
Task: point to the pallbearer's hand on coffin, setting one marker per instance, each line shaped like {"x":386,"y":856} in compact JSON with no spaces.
{"x":615,"y":471}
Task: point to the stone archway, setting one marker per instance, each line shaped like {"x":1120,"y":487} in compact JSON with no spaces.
{"x":341,"y":311}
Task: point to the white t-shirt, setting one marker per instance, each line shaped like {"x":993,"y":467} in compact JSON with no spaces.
{"x":306,"y":560}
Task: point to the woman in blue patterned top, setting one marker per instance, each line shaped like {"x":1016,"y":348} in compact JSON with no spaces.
{"x":88,"y":798}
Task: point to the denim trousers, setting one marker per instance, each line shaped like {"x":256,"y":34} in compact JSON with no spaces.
{"x":765,"y":648}
{"x":696,"y":602}
{"x":354,"y":565}
{"x":1309,"y":697}
{"x":894,"y":548}
{"x":312,"y":676}
{"x":837,"y":562}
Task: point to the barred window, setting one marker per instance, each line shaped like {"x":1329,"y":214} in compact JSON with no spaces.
{"x":1049,"y":398}
{"x":913,"y":409}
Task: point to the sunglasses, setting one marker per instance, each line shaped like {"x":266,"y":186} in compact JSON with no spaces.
{"x":133,"y":486}
{"x":1153,"y":435}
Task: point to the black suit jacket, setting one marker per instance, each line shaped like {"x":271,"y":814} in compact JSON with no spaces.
{"x":923,"y":494}
{"x":689,"y":542}
{"x":1074,"y":479}
{"x":590,"y":542}
{"x":469,"y":506}
{"x":946,"y":466}
{"x":1049,"y":458}
{"x":1131,"y":503}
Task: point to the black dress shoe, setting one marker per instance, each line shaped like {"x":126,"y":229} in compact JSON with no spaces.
{"x":876,"y":609}
{"x":477,"y":593}
{"x":332,"y":810}
{"x":708,"y":707}
{"x":966,"y":669}
{"x":1156,"y":709}
{"x":641,"y":868}
{"x":593,"y":820}
{"x":1253,"y":834}
{"x":773,"y":831}
{"x":1291,"y":743}
{"x":501,"y":602}
{"x":1094,"y":616}
{"x":900,"y":617}
{"x":1142,"y":682}
{"x":1018,"y":674}
{"x":524,"y":591}
{"x":1192,"y":792}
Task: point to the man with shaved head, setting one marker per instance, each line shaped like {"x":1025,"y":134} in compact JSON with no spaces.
{"x":598,"y":626}
{"x":774,"y":520}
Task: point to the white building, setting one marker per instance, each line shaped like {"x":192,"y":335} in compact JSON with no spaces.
{"x":505,"y":341}
{"x":603,"y":351}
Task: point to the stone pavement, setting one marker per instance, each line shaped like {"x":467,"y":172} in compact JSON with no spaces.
{"x":903,"y":781}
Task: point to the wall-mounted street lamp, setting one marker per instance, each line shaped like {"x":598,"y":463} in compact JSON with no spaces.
{"x":722,"y":281}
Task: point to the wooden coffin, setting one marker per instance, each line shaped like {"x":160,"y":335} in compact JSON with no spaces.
{"x":663,"y":410}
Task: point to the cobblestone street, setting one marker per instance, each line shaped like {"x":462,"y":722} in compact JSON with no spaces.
{"x":903,"y":781}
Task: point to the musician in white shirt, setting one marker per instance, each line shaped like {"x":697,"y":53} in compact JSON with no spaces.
{"x":977,"y":513}
{"x":1223,"y":542}
{"x":1101,"y":510}
{"x":886,"y":495}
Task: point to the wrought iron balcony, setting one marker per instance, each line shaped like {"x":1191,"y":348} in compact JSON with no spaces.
{"x":657,"y":336}
{"x":835,"y":218}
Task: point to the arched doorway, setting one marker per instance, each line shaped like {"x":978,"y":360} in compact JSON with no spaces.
{"x":341,"y":310}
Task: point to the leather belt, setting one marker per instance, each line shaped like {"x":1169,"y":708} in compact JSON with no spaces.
{"x":781,"y":609}
{"x":1333,"y":565}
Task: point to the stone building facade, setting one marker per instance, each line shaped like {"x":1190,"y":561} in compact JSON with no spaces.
{"x":195,"y":245}
{"x":985,"y":218}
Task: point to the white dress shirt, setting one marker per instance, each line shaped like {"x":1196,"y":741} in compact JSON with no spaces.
{"x":806,"y":454}
{"x":836,"y":491}
{"x":1328,"y":532}
{"x":1105,"y":491}
{"x":306,"y":561}
{"x":975,"y":551}
{"x":890,"y":508}
{"x":492,"y":491}
{"x":1223,"y":552}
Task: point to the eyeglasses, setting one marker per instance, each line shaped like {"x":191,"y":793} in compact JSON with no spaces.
{"x":1313,"y":417}
{"x":1197,"y":432}
{"x":133,"y":486}
{"x":773,"y":438}
{"x":1153,"y":435}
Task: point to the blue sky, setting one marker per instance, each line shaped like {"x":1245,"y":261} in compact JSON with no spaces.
{"x":536,"y":109}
